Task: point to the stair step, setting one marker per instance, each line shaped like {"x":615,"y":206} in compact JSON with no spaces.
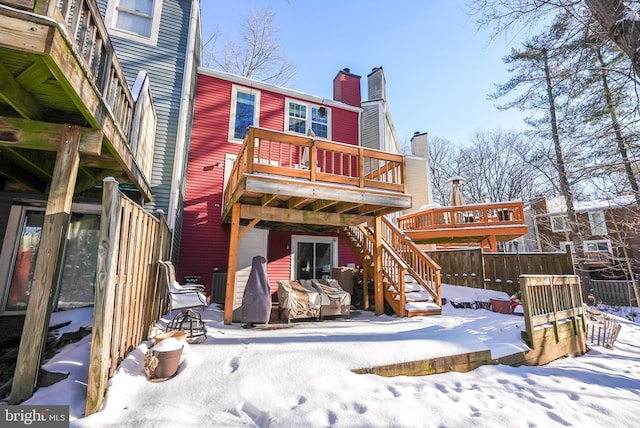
{"x":426,"y":307}
{"x":412,"y":287}
{"x":418,"y":296}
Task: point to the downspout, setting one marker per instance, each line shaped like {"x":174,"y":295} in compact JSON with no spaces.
{"x":179,"y":156}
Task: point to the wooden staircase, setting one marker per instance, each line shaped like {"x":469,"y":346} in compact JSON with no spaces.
{"x":411,"y":280}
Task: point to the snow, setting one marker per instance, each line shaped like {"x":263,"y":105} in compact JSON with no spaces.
{"x":300,"y":375}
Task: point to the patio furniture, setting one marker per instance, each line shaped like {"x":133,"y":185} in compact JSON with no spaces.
{"x":180,"y":296}
{"x":297,"y":300}
{"x":334,"y":301}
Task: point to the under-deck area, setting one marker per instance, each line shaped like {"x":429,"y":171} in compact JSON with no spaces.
{"x":283,"y":180}
{"x":60,"y":77}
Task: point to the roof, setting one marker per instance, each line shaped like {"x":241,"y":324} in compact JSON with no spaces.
{"x":252,"y":83}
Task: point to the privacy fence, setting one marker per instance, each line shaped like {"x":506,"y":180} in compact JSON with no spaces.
{"x":614,"y":293}
{"x":127,"y":300}
{"x":498,"y":271}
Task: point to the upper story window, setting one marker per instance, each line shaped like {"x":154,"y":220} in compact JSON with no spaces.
{"x":600,"y":246}
{"x":245,"y":112}
{"x":137,"y":20}
{"x":560,"y":223}
{"x":300,"y":117}
{"x":597,"y":223}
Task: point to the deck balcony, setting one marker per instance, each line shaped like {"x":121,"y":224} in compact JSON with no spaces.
{"x":477,"y":224}
{"x":58,"y":70}
{"x":346,"y":185}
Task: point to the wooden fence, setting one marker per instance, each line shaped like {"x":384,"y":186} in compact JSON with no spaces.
{"x":554,"y":316}
{"x":602,"y":329}
{"x":498,"y":271}
{"x":616,"y":293}
{"x":127,"y":299}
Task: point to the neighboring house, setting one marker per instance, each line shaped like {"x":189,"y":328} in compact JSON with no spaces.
{"x":226,"y":105}
{"x":162,"y":37}
{"x":609,"y":228}
{"x":128,"y":89}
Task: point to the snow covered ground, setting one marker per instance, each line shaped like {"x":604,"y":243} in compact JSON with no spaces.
{"x":301,"y":376}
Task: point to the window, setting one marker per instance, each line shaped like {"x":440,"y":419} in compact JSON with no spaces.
{"x":245,"y":112}
{"x":313,"y":256}
{"x":301,"y":117}
{"x":598,"y":223}
{"x":597,"y":246}
{"x":137,"y":20}
{"x":559,"y":223}
{"x":598,"y":251}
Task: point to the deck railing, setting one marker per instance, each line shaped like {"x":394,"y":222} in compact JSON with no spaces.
{"x":475,"y":215}
{"x":84,"y":29}
{"x":289,"y":155}
{"x":550,"y":300}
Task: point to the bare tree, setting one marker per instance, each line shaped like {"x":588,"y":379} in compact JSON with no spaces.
{"x":257,"y":55}
{"x":496,"y":167}
{"x":444,"y":164}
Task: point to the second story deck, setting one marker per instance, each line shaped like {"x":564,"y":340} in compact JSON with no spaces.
{"x":58,"y":67}
{"x":313,"y":184}
{"x":478,"y":224}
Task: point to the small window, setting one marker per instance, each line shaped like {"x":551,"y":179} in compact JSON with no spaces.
{"x":137,"y":20}
{"x":598,"y":223}
{"x":301,"y":117}
{"x":559,"y":223}
{"x":245,"y":112}
{"x":601,"y":246}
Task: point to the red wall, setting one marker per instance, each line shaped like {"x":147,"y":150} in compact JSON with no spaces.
{"x":205,"y":241}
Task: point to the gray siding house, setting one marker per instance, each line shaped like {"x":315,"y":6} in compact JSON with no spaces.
{"x":162,"y":37}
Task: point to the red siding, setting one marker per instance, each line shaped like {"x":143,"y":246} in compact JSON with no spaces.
{"x":346,"y":88}
{"x":205,"y":242}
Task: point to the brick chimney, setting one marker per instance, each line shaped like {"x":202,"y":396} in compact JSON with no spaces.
{"x":346,"y":88}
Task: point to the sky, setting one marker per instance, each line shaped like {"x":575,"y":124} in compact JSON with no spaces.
{"x":439,"y":69}
{"x":300,"y":376}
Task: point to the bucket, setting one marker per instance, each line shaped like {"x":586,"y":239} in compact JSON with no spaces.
{"x":162,"y":361}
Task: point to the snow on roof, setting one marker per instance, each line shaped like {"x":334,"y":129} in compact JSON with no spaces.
{"x":557,"y":205}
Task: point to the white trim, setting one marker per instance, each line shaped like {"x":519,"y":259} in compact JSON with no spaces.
{"x":565,"y":223}
{"x":277,"y":89}
{"x":598,"y":241}
{"x":178,"y":181}
{"x":232,"y":111}
{"x":308,"y":121}
{"x":295,"y":239}
{"x":110,"y":21}
{"x":600,"y":226}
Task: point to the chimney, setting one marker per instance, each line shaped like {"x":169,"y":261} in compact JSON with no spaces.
{"x":377,"y":85}
{"x":346,"y":88}
{"x":420,"y":144}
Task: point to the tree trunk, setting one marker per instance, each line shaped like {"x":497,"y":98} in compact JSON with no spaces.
{"x":621,"y":23}
{"x":617,"y":129}
{"x":565,"y":188}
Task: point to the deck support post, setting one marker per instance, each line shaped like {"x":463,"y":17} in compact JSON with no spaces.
{"x":234,"y":237}
{"x":377,"y":256}
{"x":47,"y":267}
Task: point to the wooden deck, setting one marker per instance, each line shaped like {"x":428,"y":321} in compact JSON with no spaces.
{"x":58,"y":70}
{"x":350,"y":185}
{"x":479,"y":224}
